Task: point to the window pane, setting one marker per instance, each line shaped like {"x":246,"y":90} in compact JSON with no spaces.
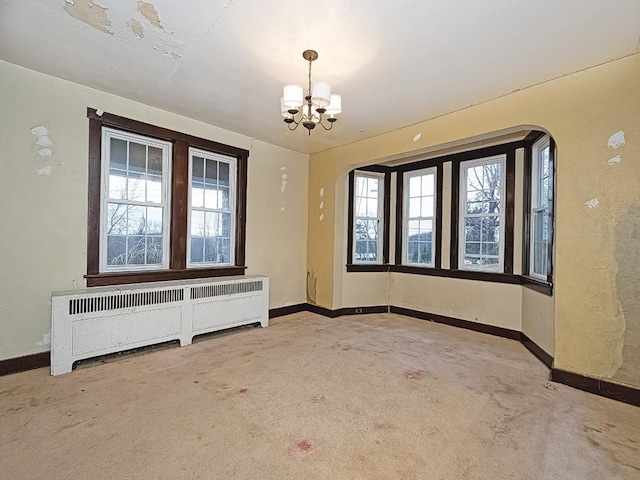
{"x":414,"y":186}
{"x":116,"y":249}
{"x":372,"y":251}
{"x":425,"y":252}
{"x":197,"y":249}
{"x":361,"y":229}
{"x":360,"y":253}
{"x":472,"y":229}
{"x":211,"y":196}
{"x":414,"y":207}
{"x":210,"y":249}
{"x":154,"y":250}
{"x":154,"y":189}
{"x":136,"y":187}
{"x":427,"y":184}
{"x":137,"y":157}
{"x":154,"y":221}
{"x":136,"y":220}
{"x":427,"y":207}
{"x":116,"y":219}
{"x":472,"y":248}
{"x":211,"y":171}
{"x":197,"y":169}
{"x":372,"y":189}
{"x":198,"y":226}
{"x":118,"y":152}
{"x":224,"y":198}
{"x":360,"y":207}
{"x":413,"y":229}
{"x":372,"y":207}
{"x":155,"y":161}
{"x":413,"y":252}
{"x":426,"y":226}
{"x":223,"y":174}
{"x":117,"y":184}
{"x":197,"y":194}
{"x":226,"y":224}
{"x":136,"y":247}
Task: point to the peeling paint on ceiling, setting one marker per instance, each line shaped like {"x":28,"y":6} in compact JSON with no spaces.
{"x":136,"y":28}
{"x":90,"y":13}
{"x":148,"y":11}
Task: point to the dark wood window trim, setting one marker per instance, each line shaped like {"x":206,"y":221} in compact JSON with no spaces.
{"x":412,"y":167}
{"x":529,"y":281}
{"x":377,"y":267}
{"x":179,"y":203}
{"x":508,"y":149}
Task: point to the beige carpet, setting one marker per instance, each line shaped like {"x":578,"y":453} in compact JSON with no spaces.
{"x":363,"y":397}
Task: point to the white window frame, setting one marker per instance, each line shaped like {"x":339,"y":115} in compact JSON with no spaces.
{"x":406,"y":178}
{"x":463,"y":215}
{"x":536,"y":178}
{"x":232,"y":205}
{"x":380,"y":217}
{"x":166,"y":147}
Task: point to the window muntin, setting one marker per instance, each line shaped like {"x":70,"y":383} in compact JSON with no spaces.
{"x":541,"y":202}
{"x":368,"y":217}
{"x":482,"y":219}
{"x":211,"y":220}
{"x":134,"y":202}
{"x":419,"y":205}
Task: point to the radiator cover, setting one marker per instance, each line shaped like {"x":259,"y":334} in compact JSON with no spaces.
{"x":102,"y":320}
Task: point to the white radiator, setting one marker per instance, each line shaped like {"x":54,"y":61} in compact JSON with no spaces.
{"x":101,"y":320}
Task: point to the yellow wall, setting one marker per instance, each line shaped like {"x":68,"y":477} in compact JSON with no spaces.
{"x":597,"y":314}
{"x":44,"y":217}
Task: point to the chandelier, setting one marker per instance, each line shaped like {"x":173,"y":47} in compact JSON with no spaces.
{"x":313,"y":109}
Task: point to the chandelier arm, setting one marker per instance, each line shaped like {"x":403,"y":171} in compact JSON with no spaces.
{"x":324,"y":126}
{"x":293,"y":123}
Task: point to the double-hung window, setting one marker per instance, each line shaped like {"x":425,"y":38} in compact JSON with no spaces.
{"x":541,"y":205}
{"x":212,"y":208}
{"x":419,"y":206}
{"x":368,"y":201}
{"x":135,"y":202}
{"x":163,"y":205}
{"x":482,"y":214}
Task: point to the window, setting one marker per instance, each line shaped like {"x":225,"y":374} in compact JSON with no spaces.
{"x":419,"y":217}
{"x":482,"y":219}
{"x":212,"y":208}
{"x":368,"y":217}
{"x":163,"y":205}
{"x":135,"y":202}
{"x":541,"y":205}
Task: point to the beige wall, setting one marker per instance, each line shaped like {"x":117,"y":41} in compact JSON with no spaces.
{"x":597,"y":318}
{"x":537,"y":318}
{"x":482,"y":302}
{"x":44,"y":217}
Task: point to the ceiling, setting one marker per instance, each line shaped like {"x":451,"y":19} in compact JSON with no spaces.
{"x":395,"y":63}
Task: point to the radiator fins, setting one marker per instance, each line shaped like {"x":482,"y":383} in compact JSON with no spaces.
{"x":218,"y":290}
{"x":124,"y":300}
{"x":119,"y":301}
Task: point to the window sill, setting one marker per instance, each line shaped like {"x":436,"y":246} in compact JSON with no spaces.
{"x":122,"y":278}
{"x":361,"y":267}
{"x":463,"y":274}
{"x":537,"y":285}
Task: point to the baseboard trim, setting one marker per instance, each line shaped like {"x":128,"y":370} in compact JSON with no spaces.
{"x":457,"y":322}
{"x":27,"y":362}
{"x":604,"y":388}
{"x":288,"y":310}
{"x":538,"y":352}
{"x":340,"y":312}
